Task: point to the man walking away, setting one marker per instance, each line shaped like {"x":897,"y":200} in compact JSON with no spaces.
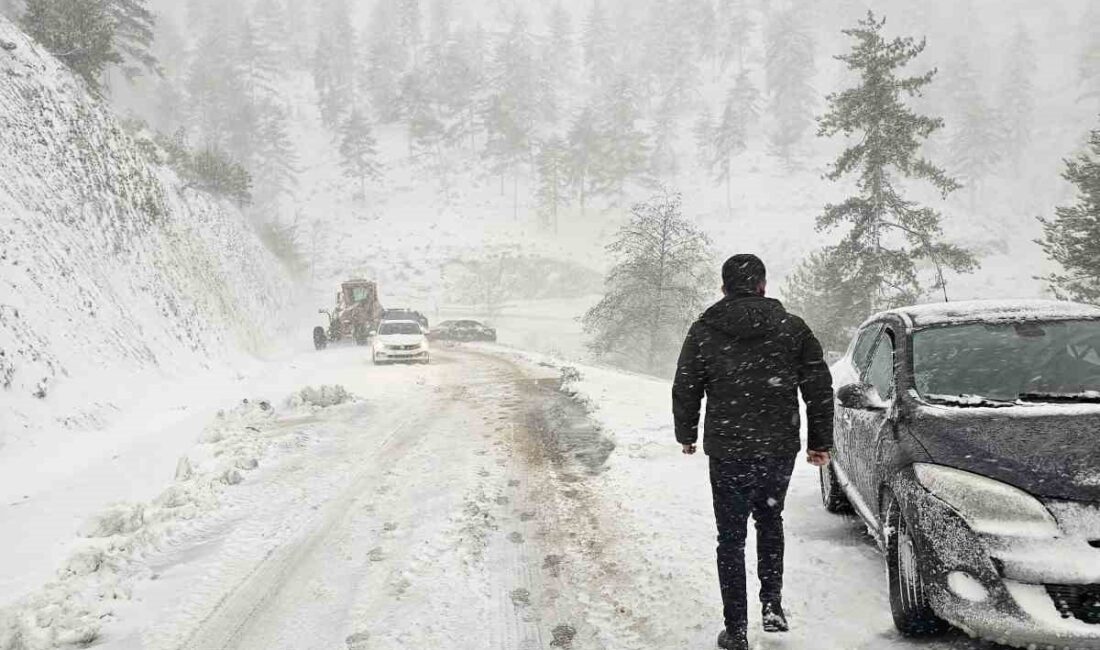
{"x":750,"y":358}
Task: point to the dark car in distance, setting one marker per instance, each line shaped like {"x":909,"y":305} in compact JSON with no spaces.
{"x":968,"y":440}
{"x":463,"y":330}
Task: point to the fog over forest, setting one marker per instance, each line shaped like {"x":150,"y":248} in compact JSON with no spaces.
{"x":419,"y":142}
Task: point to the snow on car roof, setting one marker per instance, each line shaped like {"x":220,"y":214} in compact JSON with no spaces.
{"x":942,"y":313}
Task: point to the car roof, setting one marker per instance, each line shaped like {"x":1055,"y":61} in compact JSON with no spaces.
{"x":969,"y":311}
{"x":402,"y":321}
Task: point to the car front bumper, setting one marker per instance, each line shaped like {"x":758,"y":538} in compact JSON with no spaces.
{"x":1021,"y":592}
{"x":401,"y":355}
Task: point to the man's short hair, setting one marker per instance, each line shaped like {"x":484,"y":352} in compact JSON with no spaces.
{"x":743,"y":273}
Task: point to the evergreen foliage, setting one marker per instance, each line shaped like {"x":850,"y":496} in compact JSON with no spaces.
{"x":887,"y":235}
{"x":81,"y":33}
{"x":1072,"y":238}
{"x":789,"y":66}
{"x":359,"y":151}
{"x":552,"y":164}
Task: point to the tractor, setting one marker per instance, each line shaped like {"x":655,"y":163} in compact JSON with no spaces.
{"x":356,"y":315}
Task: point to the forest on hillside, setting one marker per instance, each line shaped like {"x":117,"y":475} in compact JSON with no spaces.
{"x":576,"y":109}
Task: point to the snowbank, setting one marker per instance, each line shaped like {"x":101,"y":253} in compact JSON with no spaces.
{"x":111,"y":271}
{"x":103,"y":568}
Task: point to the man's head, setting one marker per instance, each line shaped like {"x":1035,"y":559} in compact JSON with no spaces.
{"x":744,"y":273}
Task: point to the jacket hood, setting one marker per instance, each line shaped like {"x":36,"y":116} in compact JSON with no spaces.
{"x":746,"y":317}
{"x":1048,"y":450}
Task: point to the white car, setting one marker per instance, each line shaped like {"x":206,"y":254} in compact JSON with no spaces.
{"x":400,"y":341}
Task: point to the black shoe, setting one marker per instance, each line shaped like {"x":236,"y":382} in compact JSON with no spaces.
{"x":773,"y":618}
{"x":736,"y":641}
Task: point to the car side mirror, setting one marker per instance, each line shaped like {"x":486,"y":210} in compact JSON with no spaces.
{"x":861,"y":397}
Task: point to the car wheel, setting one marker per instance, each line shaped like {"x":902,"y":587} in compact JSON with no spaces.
{"x":913,"y":615}
{"x":832,"y":494}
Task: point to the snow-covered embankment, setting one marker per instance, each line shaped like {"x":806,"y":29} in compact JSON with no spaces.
{"x":111,"y":271}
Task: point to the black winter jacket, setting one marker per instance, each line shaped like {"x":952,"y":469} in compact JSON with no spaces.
{"x":750,"y":358}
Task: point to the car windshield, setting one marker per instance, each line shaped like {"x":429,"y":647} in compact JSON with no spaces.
{"x":359,"y":294}
{"x":974,"y":363}
{"x":399,"y":328}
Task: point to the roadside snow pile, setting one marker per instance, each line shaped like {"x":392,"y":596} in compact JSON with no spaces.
{"x":111,"y":270}
{"x":108,"y":559}
{"x":320,"y":397}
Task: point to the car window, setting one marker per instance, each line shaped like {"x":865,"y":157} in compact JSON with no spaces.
{"x":399,"y":328}
{"x":862,"y":348}
{"x":880,"y":370}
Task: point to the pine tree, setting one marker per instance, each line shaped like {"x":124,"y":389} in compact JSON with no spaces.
{"x":134,"y":35}
{"x":658,"y":286}
{"x":274,"y":162}
{"x":583,"y":141}
{"x":420,"y":112}
{"x":831,"y":300}
{"x":670,"y":52}
{"x":214,"y":88}
{"x":439,"y":15}
{"x":975,"y":146}
{"x":561,"y":46}
{"x":1089,"y":66}
{"x":273,"y":34}
{"x":599,"y":57}
{"x":732,"y":132}
{"x":552,"y":163}
{"x":359,"y":151}
{"x":409,"y":31}
{"x":790,"y":68}
{"x":703,"y":132}
{"x":735,"y":28}
{"x":510,"y":111}
{"x":1072,"y":239}
{"x":81,"y":33}
{"x":663,"y":162}
{"x":334,"y":63}
{"x":888,"y":233}
{"x":622,"y":150}
{"x":459,"y":79}
{"x":1017,"y":97}
{"x":387,"y":60}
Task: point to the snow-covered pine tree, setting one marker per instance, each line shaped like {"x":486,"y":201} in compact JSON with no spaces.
{"x":663,"y":163}
{"x":583,"y":139}
{"x":420,"y":112}
{"x":359,"y":151}
{"x":703,"y":132}
{"x":134,"y":33}
{"x":732,"y":132}
{"x":1072,"y":238}
{"x":888,"y":235}
{"x":274,"y":163}
{"x":669,"y":54}
{"x":81,"y":33}
{"x":1089,"y":66}
{"x":622,"y":150}
{"x":596,"y":36}
{"x":273,"y":34}
{"x":975,"y":143}
{"x":214,"y":89}
{"x":820,"y":290}
{"x":460,"y":79}
{"x":334,"y":63}
{"x":386,"y":61}
{"x":659,"y":284}
{"x":409,"y":31}
{"x":439,"y":22}
{"x":552,"y":163}
{"x":561,"y":45}
{"x":789,"y":68}
{"x":1017,"y":97}
{"x":510,"y":112}
{"x":735,"y":27}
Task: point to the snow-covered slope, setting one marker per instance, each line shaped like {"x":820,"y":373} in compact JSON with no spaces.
{"x":111,"y":272}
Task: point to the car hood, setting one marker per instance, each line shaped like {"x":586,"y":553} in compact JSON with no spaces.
{"x":401,"y":339}
{"x":1051,"y":451}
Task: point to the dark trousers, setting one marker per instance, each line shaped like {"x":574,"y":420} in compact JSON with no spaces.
{"x":756,"y":486}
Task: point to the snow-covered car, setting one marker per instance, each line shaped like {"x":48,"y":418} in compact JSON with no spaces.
{"x":463,"y":330}
{"x":400,"y":341}
{"x":968,"y":440}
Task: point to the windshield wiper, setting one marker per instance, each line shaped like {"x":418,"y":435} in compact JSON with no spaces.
{"x":1087,"y":396}
{"x":969,"y":400}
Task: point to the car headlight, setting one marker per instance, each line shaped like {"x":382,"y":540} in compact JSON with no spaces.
{"x":986,"y":505}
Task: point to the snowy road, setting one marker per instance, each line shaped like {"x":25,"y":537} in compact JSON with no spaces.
{"x":469,"y":504}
